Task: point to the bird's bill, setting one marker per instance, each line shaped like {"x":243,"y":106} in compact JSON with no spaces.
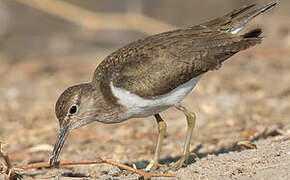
{"x":62,"y":135}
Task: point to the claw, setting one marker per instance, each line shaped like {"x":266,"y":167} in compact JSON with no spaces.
{"x":194,"y":155}
{"x":153,"y":165}
{"x":177,"y":165}
{"x":182,"y":161}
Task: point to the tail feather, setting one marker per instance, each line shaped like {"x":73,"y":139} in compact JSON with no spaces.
{"x":235,"y":21}
{"x":228,"y":17}
{"x":253,"y":33}
{"x":244,"y":41}
{"x":238,"y":12}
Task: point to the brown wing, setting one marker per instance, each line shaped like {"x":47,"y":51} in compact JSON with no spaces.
{"x":158,"y":64}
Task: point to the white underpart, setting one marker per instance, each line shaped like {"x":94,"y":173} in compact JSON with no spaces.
{"x":237,"y":30}
{"x":140,"y":107}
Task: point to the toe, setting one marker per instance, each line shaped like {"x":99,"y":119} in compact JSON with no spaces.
{"x":153,"y":166}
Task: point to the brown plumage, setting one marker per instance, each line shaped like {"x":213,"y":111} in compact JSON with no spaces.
{"x":158,"y":64}
{"x":151,"y":67}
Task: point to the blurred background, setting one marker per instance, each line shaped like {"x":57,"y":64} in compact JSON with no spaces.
{"x":48,"y":45}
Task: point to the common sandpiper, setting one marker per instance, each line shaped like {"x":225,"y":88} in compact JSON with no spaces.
{"x":152,"y":74}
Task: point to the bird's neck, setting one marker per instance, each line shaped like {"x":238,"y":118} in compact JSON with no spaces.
{"x":111,"y":111}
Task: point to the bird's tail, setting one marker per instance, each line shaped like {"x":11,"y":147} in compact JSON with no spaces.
{"x":235,"y":21}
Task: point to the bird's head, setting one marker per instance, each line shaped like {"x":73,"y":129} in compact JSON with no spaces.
{"x":76,"y":107}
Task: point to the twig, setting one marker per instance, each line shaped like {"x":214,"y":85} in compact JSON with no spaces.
{"x":98,"y":21}
{"x":247,"y":145}
{"x":97,"y":161}
{"x":11,"y":173}
{"x":6,"y":159}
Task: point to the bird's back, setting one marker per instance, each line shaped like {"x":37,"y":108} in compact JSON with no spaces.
{"x":157,"y":64}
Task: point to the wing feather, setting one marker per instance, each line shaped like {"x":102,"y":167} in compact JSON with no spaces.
{"x":156,"y":65}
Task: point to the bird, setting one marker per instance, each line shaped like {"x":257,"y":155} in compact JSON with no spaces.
{"x":150,"y":75}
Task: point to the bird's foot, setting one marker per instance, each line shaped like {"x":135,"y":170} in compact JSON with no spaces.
{"x":153,"y":165}
{"x":179,"y":164}
{"x":194,"y":155}
{"x":182,"y":161}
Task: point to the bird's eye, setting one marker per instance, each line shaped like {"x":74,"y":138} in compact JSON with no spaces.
{"x":73,"y":109}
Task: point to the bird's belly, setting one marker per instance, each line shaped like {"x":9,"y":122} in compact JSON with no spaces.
{"x":141,"y":107}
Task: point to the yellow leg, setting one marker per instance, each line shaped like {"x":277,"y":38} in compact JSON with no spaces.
{"x":190,"y":117}
{"x":154,"y":164}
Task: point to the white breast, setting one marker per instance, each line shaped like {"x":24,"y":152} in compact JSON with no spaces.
{"x":140,"y":107}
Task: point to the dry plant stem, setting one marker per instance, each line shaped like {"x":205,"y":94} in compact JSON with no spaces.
{"x":246,"y":145}
{"x":98,"y":21}
{"x":6,"y":159}
{"x":97,"y":161}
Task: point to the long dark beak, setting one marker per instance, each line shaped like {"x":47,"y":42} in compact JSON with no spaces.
{"x":62,"y":135}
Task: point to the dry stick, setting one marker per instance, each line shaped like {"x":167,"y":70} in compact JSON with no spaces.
{"x":9,"y":170}
{"x":6,"y":159}
{"x":98,"y":21}
{"x":97,"y":161}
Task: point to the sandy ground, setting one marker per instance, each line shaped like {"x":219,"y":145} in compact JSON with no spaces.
{"x":247,"y":99}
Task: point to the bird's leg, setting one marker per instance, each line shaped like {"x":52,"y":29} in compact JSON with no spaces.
{"x":190,"y":117}
{"x":154,"y":164}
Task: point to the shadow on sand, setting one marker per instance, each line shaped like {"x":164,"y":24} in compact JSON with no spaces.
{"x":168,"y":160}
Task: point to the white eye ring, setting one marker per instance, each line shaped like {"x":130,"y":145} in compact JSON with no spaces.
{"x":73,"y":109}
